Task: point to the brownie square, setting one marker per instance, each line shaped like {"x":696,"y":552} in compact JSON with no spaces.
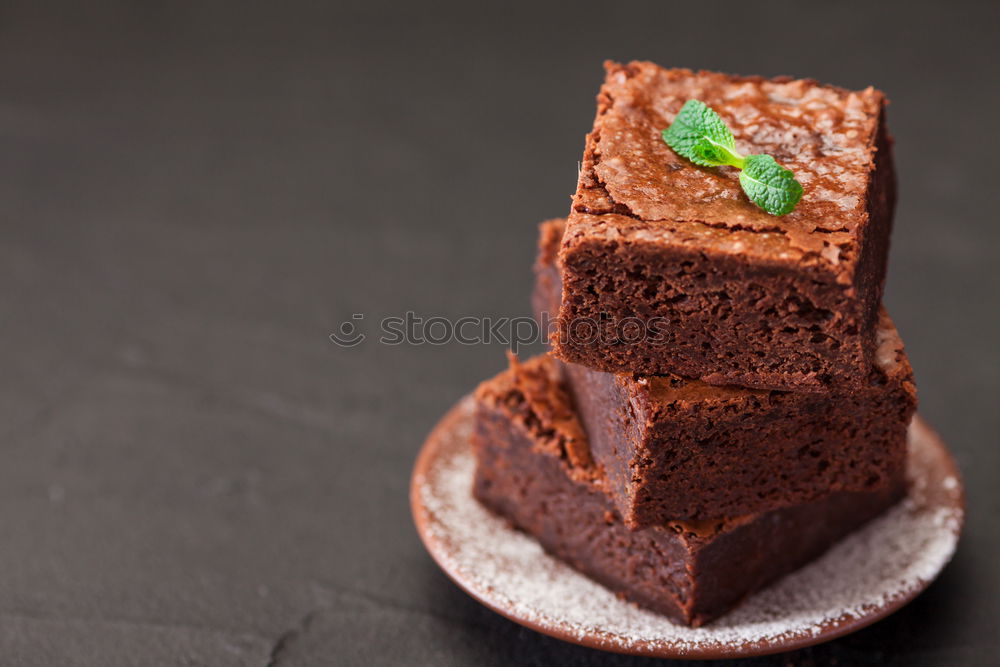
{"x":525,"y":438}
{"x":675,"y":448}
{"x":725,"y":292}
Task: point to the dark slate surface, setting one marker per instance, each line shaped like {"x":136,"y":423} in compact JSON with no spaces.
{"x":193,"y":198}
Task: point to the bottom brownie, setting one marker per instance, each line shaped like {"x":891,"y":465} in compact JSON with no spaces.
{"x":534,"y":469}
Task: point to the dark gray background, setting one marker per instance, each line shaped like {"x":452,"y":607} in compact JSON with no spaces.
{"x":193,"y":199}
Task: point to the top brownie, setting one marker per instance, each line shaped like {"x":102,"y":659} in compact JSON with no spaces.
{"x":668,"y":267}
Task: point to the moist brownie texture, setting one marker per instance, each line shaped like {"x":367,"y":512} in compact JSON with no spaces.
{"x":733,"y":294}
{"x":675,"y":448}
{"x":533,"y":470}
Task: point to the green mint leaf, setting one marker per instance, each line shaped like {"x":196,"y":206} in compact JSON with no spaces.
{"x":700,"y":135}
{"x":769,"y":185}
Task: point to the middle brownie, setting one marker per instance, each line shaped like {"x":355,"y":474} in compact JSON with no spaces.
{"x":674,"y":448}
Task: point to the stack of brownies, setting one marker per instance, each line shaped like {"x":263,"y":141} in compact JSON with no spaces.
{"x":725,"y":398}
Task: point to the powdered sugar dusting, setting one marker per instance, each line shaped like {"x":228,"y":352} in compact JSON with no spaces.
{"x":891,"y":558}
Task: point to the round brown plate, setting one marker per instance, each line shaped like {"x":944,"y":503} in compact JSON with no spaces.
{"x":867,"y":576}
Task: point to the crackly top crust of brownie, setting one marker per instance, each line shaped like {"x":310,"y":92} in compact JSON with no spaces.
{"x":825,"y":134}
{"x":531,"y":393}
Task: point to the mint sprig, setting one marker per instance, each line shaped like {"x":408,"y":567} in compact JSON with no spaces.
{"x":700,"y":135}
